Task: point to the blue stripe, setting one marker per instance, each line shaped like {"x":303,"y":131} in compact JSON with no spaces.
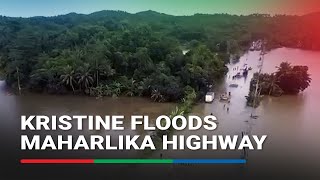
{"x":209,"y":161}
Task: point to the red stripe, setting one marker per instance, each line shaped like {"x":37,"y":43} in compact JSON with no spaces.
{"x":56,"y":161}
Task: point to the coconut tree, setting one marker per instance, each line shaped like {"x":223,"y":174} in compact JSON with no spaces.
{"x":85,"y":77}
{"x":143,"y":86}
{"x":102,"y":70}
{"x":157,"y":96}
{"x":178,"y":111}
{"x":273,"y":86}
{"x":283,"y":67}
{"x":68,"y":77}
{"x":116,"y":88}
{"x":131,"y":87}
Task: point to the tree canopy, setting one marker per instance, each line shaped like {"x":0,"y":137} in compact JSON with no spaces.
{"x":117,"y":53}
{"x":287,"y":79}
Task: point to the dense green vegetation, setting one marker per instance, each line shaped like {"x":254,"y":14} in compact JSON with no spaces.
{"x":112,"y":53}
{"x":287,"y":79}
{"x":182,"y":109}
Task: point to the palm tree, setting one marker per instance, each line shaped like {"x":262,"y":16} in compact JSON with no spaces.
{"x":85,"y":78}
{"x":143,"y":86}
{"x":131,"y":87}
{"x":283,"y":68}
{"x":157,"y":96}
{"x":47,"y":72}
{"x":268,"y":84}
{"x":273,"y":86}
{"x":178,"y":111}
{"x":116,"y":88}
{"x":103,"y":69}
{"x":68,"y":78}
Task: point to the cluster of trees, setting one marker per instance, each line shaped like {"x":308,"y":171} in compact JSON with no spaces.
{"x":287,"y":79}
{"x":293,"y":31}
{"x":111,"y":53}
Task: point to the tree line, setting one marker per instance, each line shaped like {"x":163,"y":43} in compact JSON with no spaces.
{"x":112,"y":53}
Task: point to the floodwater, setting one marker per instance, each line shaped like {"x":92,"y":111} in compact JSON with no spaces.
{"x":291,"y":122}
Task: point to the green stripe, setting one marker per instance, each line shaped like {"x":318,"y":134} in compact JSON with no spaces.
{"x":133,"y":161}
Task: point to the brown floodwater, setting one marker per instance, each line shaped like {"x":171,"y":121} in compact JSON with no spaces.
{"x":291,"y":122}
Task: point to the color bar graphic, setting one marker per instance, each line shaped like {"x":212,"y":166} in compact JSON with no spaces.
{"x":209,"y":161}
{"x":56,"y":161}
{"x":133,"y":161}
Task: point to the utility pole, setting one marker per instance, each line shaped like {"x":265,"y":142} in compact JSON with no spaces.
{"x":256,"y":93}
{"x":248,"y":130}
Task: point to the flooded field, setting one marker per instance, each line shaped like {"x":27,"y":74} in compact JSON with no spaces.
{"x":291,"y":122}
